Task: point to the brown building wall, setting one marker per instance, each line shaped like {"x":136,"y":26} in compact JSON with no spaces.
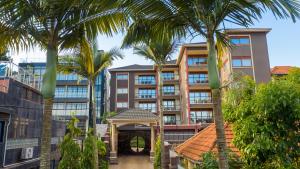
{"x":183,"y":73}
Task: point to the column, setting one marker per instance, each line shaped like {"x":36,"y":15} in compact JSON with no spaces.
{"x":113,"y":158}
{"x":152,"y":142}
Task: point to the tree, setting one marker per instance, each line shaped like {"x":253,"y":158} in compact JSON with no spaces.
{"x":157,"y":155}
{"x":159,"y":53}
{"x":4,"y":57}
{"x":165,"y":18}
{"x":107,"y":115}
{"x":88,"y":63}
{"x":69,"y":149}
{"x":266,"y":124}
{"x":53,"y":25}
{"x":294,"y":75}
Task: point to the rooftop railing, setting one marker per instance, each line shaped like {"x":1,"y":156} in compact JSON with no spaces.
{"x":12,"y":70}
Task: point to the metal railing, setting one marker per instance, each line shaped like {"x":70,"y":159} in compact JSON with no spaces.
{"x":170,"y":93}
{"x":144,"y":82}
{"x":171,"y":108}
{"x":201,"y":101}
{"x":145,"y":96}
{"x":11,"y":70}
{"x":169,"y":78}
{"x":199,"y":82}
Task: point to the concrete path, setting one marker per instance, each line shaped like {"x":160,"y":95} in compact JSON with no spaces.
{"x":133,"y":162}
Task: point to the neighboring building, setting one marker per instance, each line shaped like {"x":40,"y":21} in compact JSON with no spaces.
{"x":71,"y":94}
{"x":186,"y":93}
{"x":191,"y":151}
{"x":280,"y":71}
{"x":21,"y":112}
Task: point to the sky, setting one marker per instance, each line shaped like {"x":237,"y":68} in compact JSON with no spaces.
{"x":283,"y":44}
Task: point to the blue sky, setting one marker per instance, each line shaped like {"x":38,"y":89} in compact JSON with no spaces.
{"x":283,"y":44}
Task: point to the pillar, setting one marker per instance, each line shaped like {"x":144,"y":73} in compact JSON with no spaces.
{"x":113,"y":158}
{"x":152,"y":142}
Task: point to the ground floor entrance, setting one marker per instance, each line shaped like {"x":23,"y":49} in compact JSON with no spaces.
{"x":133,"y":162}
{"x":132,"y":133}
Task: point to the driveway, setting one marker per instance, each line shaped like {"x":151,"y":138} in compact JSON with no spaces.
{"x":133,"y":162}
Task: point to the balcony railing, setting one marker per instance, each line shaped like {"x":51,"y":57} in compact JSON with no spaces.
{"x":144,"y":82}
{"x":201,"y":65}
{"x":171,"y":93}
{"x":172,"y":122}
{"x":171,"y":108}
{"x":194,"y":82}
{"x":201,"y":101}
{"x":145,"y":96}
{"x":170,"y":78}
{"x":199,"y":120}
{"x":11,"y":70}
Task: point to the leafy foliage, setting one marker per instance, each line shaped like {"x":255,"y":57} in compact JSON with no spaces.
{"x":3,"y":56}
{"x":107,"y":115}
{"x":157,"y":157}
{"x":294,"y":75}
{"x":266,"y":123}
{"x":210,"y":161}
{"x":70,"y":150}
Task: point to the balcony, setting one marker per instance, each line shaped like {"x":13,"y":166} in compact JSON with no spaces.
{"x":171,"y":108}
{"x":197,"y":67}
{"x":167,"y":94}
{"x":145,"y":96}
{"x":170,"y":79}
{"x":198,"y":84}
{"x":201,"y":103}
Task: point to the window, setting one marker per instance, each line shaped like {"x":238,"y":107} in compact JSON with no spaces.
{"x":2,"y":131}
{"x":168,"y":75}
{"x":240,"y":41}
{"x":148,"y":106}
{"x":170,"y":119}
{"x":200,"y":97}
{"x":122,"y":91}
{"x":146,"y":80}
{"x":168,"y":90}
{"x":241,"y":62}
{"x":197,"y":78}
{"x":196,"y":60}
{"x":169,"y":104}
{"x":122,"y":76}
{"x":122,"y":105}
{"x":201,"y":116}
{"x":77,"y":91}
{"x":60,"y":92}
{"x":146,"y":93}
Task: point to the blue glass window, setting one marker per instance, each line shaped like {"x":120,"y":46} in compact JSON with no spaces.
{"x":196,"y":60}
{"x":240,"y":41}
{"x":147,"y":93}
{"x":146,"y":79}
{"x":198,"y":78}
{"x":168,"y":75}
{"x":200,"y":97}
{"x":201,"y":116}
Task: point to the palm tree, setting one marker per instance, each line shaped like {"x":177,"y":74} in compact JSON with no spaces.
{"x":177,"y":18}
{"x":88,"y":63}
{"x":52,"y":24}
{"x":159,"y":52}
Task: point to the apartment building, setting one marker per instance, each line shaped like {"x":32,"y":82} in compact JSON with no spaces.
{"x":71,"y":94}
{"x":186,"y":94}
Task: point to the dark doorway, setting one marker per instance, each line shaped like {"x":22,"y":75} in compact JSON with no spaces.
{"x":2,"y":140}
{"x":137,"y":144}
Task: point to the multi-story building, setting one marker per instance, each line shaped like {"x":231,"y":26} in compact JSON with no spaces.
{"x":21,"y":114}
{"x":280,"y":71}
{"x":71,"y":94}
{"x":186,"y":94}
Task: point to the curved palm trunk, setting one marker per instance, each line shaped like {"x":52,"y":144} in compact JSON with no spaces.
{"x":161,"y":116}
{"x":48,"y":90}
{"x":214,"y":83}
{"x":93,"y":110}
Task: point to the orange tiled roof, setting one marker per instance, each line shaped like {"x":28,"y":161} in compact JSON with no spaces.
{"x":280,"y":70}
{"x":205,"y":141}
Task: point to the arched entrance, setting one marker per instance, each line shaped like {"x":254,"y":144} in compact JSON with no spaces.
{"x":130,"y":124}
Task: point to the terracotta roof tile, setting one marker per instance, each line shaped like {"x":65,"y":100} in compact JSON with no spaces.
{"x":280,"y":70}
{"x":203,"y":142}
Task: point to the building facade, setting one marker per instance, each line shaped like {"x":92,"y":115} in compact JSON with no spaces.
{"x":21,"y":113}
{"x":71,"y":94}
{"x":187,"y":97}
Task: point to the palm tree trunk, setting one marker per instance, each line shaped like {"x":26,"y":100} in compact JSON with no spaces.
{"x":92,"y":103}
{"x":214,"y":82}
{"x":161,"y":116}
{"x":48,"y":90}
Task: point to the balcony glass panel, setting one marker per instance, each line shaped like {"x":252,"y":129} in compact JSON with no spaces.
{"x":148,"y":106}
{"x":146,"y":93}
{"x":168,"y":76}
{"x":168,"y":90}
{"x":196,"y":61}
{"x":170,"y":120}
{"x":198,"y":78}
{"x":200,"y":97}
{"x":146,"y":80}
{"x":204,"y":116}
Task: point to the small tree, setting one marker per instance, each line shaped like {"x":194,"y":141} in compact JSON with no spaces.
{"x":107,"y":115}
{"x":157,"y":157}
{"x":69,"y":149}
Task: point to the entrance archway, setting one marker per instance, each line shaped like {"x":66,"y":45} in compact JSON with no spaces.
{"x":129,"y":124}
{"x":137,"y":144}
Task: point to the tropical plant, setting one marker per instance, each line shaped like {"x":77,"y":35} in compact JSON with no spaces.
{"x":266,"y":123}
{"x":53,"y":25}
{"x":69,"y":149}
{"x":4,"y":57}
{"x":177,"y":18}
{"x":157,"y":155}
{"x":159,"y":53}
{"x":88,"y":62}
{"x":107,"y":115}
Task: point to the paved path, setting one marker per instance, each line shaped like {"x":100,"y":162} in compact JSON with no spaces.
{"x":133,"y":162}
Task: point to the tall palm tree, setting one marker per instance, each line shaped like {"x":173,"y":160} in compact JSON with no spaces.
{"x":52,"y":24}
{"x":88,"y":63}
{"x":159,"y":52}
{"x":177,"y":18}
